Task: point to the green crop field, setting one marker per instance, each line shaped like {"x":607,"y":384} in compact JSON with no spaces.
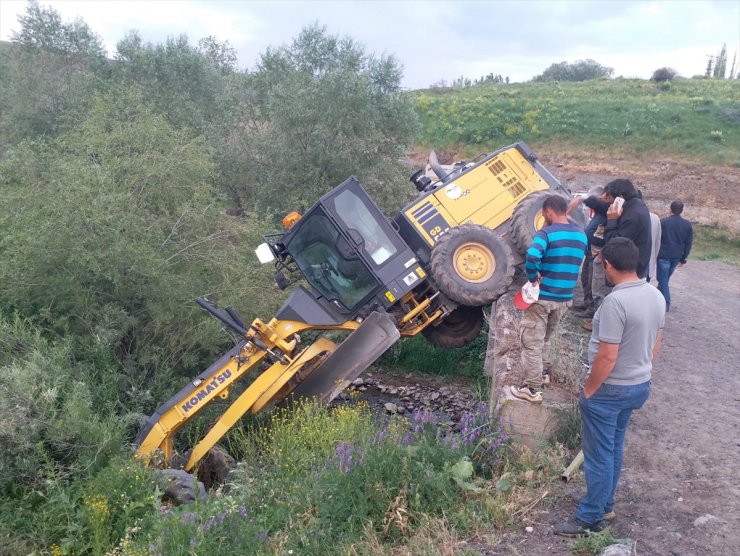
{"x":695,"y":119}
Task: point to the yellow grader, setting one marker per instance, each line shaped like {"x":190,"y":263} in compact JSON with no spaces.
{"x":430,"y":270}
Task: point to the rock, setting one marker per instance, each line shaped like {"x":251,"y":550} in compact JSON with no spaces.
{"x":393,"y":390}
{"x":180,"y":486}
{"x":703,"y":520}
{"x":362,"y":388}
{"x":390,"y":407}
{"x":401,"y":409}
{"x":529,"y":529}
{"x":434,"y":395}
{"x":617,"y":550}
{"x":358,"y":382}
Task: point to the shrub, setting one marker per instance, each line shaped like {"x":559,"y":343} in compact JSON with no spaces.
{"x":663,"y":74}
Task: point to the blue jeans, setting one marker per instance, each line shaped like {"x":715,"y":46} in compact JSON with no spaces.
{"x":605,"y":417}
{"x":665,"y":271}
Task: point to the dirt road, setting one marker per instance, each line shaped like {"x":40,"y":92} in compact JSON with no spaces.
{"x":682,"y":460}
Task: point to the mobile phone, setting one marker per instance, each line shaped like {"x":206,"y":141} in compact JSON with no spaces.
{"x":617,"y":204}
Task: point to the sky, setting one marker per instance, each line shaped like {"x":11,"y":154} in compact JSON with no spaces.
{"x":436,"y":40}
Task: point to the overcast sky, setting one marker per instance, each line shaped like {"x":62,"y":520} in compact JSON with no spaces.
{"x":441,"y":39}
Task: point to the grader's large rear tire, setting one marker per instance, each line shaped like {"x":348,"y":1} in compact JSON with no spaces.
{"x":472,"y":265}
{"x":461,"y":327}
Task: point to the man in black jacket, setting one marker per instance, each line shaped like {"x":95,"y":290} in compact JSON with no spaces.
{"x":631,"y":221}
{"x":676,"y":237}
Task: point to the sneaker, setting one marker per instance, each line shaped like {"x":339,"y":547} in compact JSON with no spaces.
{"x":527,"y":393}
{"x":578,"y":528}
{"x":545,"y":378}
{"x":610,"y":515}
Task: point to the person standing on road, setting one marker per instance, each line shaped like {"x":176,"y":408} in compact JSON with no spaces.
{"x":675,"y":246}
{"x":598,"y":202}
{"x":655,"y":236}
{"x":631,"y":221}
{"x":595,"y":201}
{"x":554,"y":260}
{"x":627,"y":335}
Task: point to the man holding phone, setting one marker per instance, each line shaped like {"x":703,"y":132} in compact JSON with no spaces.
{"x":627,"y":334}
{"x":629,"y":217}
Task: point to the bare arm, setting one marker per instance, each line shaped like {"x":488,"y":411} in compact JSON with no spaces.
{"x":573,"y":204}
{"x":658,"y":344}
{"x":602,"y":367}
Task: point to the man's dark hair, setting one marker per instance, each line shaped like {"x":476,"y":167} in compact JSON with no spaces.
{"x":621,"y":253}
{"x":621,"y":188}
{"x":555,"y":202}
{"x":676,"y":207}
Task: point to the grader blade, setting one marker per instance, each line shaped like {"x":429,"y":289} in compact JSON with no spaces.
{"x":355,"y":354}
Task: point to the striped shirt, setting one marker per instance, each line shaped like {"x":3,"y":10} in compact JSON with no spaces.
{"x":556,"y":255}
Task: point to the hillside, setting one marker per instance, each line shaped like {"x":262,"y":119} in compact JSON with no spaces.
{"x":694,"y":119}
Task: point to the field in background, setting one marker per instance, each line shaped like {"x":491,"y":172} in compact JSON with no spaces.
{"x":694,"y":119}
{"x":715,"y":244}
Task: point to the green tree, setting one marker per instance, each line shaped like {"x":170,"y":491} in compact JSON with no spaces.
{"x":582,"y":70}
{"x":720,"y":65}
{"x":110,"y":231}
{"x":42,"y":29}
{"x":316,"y":112}
{"x":48,"y":72}
{"x":183,"y":81}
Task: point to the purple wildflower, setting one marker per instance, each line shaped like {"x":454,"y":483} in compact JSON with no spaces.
{"x":262,"y":536}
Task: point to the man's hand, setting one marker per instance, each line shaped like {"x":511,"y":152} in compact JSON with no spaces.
{"x":613,"y":213}
{"x":606,"y":358}
{"x":573,"y":204}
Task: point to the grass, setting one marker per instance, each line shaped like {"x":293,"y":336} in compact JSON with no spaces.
{"x":594,"y":543}
{"x":712,"y":243}
{"x":418,"y":355}
{"x":695,"y":119}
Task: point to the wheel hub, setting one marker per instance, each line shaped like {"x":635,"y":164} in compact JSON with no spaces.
{"x":474,"y":262}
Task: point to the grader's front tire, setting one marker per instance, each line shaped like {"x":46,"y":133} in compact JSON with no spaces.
{"x":472,"y":265}
{"x":461,"y":327}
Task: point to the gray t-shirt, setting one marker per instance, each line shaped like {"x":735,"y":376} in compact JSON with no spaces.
{"x":631,"y":316}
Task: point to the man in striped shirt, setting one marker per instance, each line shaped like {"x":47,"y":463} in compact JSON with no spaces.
{"x":554,"y":259}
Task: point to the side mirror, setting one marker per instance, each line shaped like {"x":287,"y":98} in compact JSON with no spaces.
{"x":264,"y":253}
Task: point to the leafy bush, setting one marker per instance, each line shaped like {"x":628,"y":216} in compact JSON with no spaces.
{"x":582,"y":70}
{"x":663,"y":74}
{"x":53,"y":424}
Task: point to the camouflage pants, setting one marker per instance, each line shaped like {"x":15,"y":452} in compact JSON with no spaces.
{"x":600,"y":288}
{"x":538,"y":323}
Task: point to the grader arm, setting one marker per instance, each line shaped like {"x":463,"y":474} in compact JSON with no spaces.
{"x":320,"y":370}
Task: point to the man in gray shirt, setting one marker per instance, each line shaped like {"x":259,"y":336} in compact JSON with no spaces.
{"x":626,"y":337}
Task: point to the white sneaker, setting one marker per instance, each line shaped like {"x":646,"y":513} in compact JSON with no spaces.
{"x":527,"y":393}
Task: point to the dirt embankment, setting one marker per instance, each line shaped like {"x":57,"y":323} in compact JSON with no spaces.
{"x":710,"y":193}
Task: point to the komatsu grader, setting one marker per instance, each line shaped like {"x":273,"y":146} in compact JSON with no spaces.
{"x":429,"y":270}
